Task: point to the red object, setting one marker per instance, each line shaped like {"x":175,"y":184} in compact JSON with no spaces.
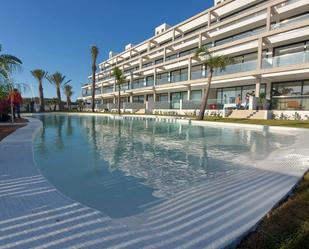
{"x":4,"y":106}
{"x":213,"y":106}
{"x":16,"y":98}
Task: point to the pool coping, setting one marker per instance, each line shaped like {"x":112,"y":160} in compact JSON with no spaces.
{"x":25,"y":136}
{"x":175,"y":119}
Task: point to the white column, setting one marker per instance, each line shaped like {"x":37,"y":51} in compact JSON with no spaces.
{"x":268,"y":90}
{"x":189,"y":68}
{"x":155,"y":77}
{"x":200,"y":40}
{"x":209,"y":18}
{"x":149,"y":45}
{"x":260,"y":54}
{"x":141,"y":63}
{"x":257,"y":87}
{"x":268,"y":19}
{"x":189,"y":93}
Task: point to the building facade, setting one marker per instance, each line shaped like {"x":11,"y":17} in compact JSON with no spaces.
{"x":268,"y":39}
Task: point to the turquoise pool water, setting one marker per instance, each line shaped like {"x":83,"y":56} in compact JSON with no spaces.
{"x":122,"y":167}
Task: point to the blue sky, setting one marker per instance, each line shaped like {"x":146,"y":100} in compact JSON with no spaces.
{"x":57,"y":34}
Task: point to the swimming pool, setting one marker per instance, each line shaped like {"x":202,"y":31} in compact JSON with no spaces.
{"x":123,"y":167}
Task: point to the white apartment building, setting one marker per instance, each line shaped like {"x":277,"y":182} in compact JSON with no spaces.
{"x":268,"y":39}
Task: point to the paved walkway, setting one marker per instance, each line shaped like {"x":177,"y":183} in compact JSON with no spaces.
{"x":212,"y":214}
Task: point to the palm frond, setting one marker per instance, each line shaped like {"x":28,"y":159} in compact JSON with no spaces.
{"x":117,"y":73}
{"x":11,"y":58}
{"x":213,"y":61}
{"x":3,"y":73}
{"x":39,"y":74}
{"x":57,"y":79}
{"x":68,"y":90}
{"x":202,"y":51}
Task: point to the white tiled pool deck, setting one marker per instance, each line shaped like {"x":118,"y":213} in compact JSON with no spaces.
{"x":213,"y":214}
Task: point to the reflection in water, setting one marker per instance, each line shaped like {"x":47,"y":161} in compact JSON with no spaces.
{"x":126,"y":165}
{"x":171,"y":157}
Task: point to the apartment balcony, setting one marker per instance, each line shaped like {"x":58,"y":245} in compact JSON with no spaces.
{"x":186,"y":104}
{"x":237,"y":68}
{"x":138,"y":84}
{"x":286,"y":60}
{"x":108,"y":90}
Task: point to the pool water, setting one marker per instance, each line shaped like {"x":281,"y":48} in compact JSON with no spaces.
{"x":123,"y":167}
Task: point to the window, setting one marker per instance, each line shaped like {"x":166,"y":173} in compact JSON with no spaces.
{"x":162,"y":97}
{"x":287,"y":89}
{"x":138,"y":99}
{"x":162,"y":78}
{"x":159,"y":61}
{"x":240,"y":36}
{"x":291,"y":95}
{"x":290,"y":49}
{"x":149,"y":80}
{"x":176,"y":97}
{"x":98,"y":90}
{"x":306,"y":88}
{"x":228,"y":95}
{"x":187,"y":52}
{"x":197,"y":72}
{"x":138,"y":83}
{"x":171,"y":57}
{"x":147,"y":64}
{"x":196,"y":95}
{"x":108,"y":89}
{"x":179,"y":75}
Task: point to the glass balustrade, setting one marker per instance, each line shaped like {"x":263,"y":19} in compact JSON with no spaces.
{"x":237,"y":68}
{"x":286,"y":60}
{"x":138,"y":84}
{"x":290,"y":21}
{"x":108,"y":90}
{"x":179,"y":77}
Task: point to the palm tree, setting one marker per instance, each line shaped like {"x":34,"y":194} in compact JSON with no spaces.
{"x":58,"y":80}
{"x":94,"y":56}
{"x":40,"y":75}
{"x":211,"y":62}
{"x":68,"y":93}
{"x":120,"y":79}
{"x":8,"y":64}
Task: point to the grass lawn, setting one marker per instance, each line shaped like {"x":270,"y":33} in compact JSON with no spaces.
{"x":286,"y":227}
{"x":289,"y":123}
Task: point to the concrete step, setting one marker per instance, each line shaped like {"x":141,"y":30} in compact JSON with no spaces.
{"x":249,"y":114}
{"x":141,"y":111}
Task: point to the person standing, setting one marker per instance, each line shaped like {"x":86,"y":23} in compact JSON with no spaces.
{"x":16,"y":100}
{"x":238,"y":102}
{"x":247,"y":98}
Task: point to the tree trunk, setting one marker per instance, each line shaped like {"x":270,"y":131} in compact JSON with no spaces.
{"x":59,"y":99}
{"x":68,"y":102}
{"x":205,"y":97}
{"x":119,"y":99}
{"x":42,"y":105}
{"x":94,"y":69}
